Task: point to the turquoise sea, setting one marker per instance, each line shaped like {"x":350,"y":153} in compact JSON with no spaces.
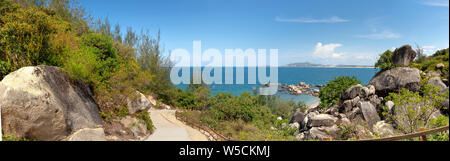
{"x":295,"y":75}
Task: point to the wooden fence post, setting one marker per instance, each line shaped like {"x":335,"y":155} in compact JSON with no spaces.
{"x":424,"y":137}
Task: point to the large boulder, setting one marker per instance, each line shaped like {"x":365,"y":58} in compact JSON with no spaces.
{"x":370,"y":113}
{"x":432,"y":74}
{"x":403,"y":56}
{"x":137,"y":127}
{"x":440,"y":66}
{"x":348,"y":105}
{"x":383,"y":129}
{"x":436,"y":81}
{"x":298,"y":117}
{"x":138,"y":102}
{"x":322,"y":120}
{"x":317,"y":134}
{"x":43,"y":103}
{"x":396,"y":79}
{"x":352,"y":92}
{"x":333,"y":131}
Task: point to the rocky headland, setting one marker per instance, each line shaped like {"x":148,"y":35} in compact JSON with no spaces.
{"x":360,"y":111}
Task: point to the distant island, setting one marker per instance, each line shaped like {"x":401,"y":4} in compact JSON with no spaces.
{"x":307,"y":64}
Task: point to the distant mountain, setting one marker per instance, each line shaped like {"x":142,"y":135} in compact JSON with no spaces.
{"x":307,"y":64}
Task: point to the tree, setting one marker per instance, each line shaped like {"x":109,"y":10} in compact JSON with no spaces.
{"x":150,"y":59}
{"x":331,"y":94}
{"x":413,"y":111}
{"x":384,"y":62}
{"x":26,"y":36}
{"x":420,"y":54}
{"x":69,"y":10}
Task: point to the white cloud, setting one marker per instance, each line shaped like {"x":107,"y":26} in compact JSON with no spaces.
{"x":437,"y":3}
{"x":327,"y":54}
{"x":429,"y":49}
{"x":327,"y":51}
{"x":378,"y":31}
{"x":385,"y":34}
{"x":333,"y":19}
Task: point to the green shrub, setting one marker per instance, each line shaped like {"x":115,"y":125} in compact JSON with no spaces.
{"x":13,"y":138}
{"x":26,"y":36}
{"x":195,"y":97}
{"x":384,"y":62}
{"x":441,"y":121}
{"x":225,"y":106}
{"x":331,"y":94}
{"x":145,"y":117}
{"x":82,"y":65}
{"x":284,"y":108}
{"x":415,"y":110}
{"x":102,"y":45}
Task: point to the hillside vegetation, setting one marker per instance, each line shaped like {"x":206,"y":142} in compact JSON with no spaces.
{"x":245,"y":117}
{"x":60,"y":33}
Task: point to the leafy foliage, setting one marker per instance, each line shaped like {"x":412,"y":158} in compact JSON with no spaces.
{"x":281,"y":107}
{"x":145,"y":117}
{"x":384,"y":62}
{"x":225,"y":106}
{"x":55,"y":32}
{"x":331,"y":94}
{"x":429,"y":63}
{"x":413,"y":110}
{"x":25,"y":36}
{"x":195,"y":97}
{"x":441,"y":121}
{"x":13,"y":138}
{"x":150,"y":59}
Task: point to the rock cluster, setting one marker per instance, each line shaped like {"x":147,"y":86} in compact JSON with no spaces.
{"x":360,"y":104}
{"x":299,"y":89}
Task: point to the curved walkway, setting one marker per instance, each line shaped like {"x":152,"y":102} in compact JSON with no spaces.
{"x":168,"y":128}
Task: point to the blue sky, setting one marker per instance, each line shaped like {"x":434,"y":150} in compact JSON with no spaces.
{"x":318,"y":31}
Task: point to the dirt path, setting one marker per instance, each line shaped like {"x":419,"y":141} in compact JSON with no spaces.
{"x":168,"y":128}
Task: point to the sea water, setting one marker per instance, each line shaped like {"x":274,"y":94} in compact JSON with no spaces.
{"x":293,"y":76}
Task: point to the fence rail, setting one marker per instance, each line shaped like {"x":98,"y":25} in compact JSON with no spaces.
{"x":422,"y":134}
{"x":216,"y":136}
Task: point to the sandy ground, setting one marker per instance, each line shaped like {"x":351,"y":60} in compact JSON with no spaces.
{"x":168,"y":128}
{"x":314,"y":105}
